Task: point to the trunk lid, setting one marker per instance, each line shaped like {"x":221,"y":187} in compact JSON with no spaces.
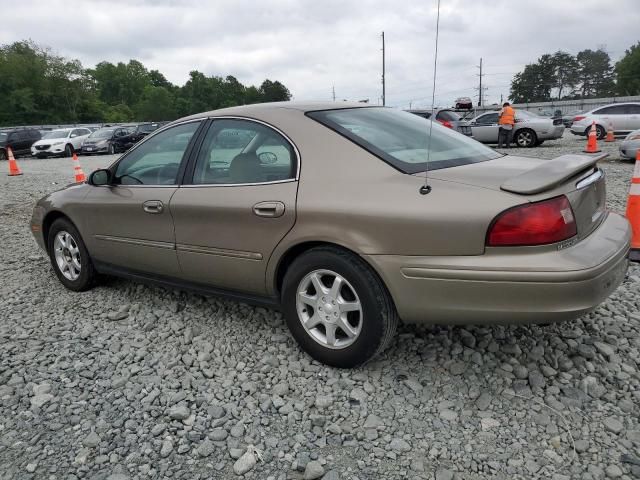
{"x":534,"y":179}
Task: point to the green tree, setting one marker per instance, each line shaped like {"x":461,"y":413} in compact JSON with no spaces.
{"x":274,"y":91}
{"x":156,"y":103}
{"x":627,"y":72}
{"x":118,"y":114}
{"x":595,"y":73}
{"x":566,"y":70}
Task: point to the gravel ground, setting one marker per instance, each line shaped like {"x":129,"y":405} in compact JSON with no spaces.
{"x":130,"y":381}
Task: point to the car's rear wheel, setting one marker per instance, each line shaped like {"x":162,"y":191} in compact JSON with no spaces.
{"x":68,"y":150}
{"x":526,"y":138}
{"x":3,"y":155}
{"x":337,"y":308}
{"x":69,"y":256}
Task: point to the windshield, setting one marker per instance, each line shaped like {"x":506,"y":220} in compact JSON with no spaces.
{"x":147,"y":127}
{"x":106,"y":133}
{"x":55,"y":134}
{"x":402,"y":139}
{"x":448,"y":115}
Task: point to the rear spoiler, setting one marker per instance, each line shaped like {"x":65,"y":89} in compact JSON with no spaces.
{"x":550,"y":174}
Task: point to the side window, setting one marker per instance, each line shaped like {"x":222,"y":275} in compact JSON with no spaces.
{"x":242,"y":151}
{"x":488,"y":119}
{"x":612,"y":110}
{"x":633,"y":109}
{"x":156,"y":161}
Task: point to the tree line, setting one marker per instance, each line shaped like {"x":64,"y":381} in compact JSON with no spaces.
{"x":38,"y":86}
{"x":589,"y":74}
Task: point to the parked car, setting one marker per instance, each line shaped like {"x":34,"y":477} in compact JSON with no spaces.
{"x":62,"y":142}
{"x":448,"y":118}
{"x":323,"y":211}
{"x":623,"y":117}
{"x":567,"y":119}
{"x":529,"y":131}
{"x":630,"y":145}
{"x":125,"y":142}
{"x":105,"y":140}
{"x":464,"y":103}
{"x":19,"y":139}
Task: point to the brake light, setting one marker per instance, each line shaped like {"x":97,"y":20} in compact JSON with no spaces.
{"x":578,"y":118}
{"x":446,"y":123}
{"x":539,"y":223}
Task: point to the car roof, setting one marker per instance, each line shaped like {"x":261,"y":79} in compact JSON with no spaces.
{"x":613,"y":105}
{"x":257,"y":108}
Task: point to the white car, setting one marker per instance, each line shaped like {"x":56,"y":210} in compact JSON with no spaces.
{"x":529,"y":131}
{"x":62,"y":142}
{"x":623,"y":117}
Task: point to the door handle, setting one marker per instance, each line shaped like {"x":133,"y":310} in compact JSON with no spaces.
{"x":153,"y":206}
{"x":269,"y":209}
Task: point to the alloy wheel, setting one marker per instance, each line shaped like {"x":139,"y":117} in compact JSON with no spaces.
{"x":67,"y":255}
{"x":525,"y":139}
{"x":329,"y":309}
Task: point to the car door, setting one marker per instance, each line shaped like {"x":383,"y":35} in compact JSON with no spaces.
{"x":236,"y":205}
{"x":129,"y":221}
{"x":485,"y":128}
{"x":77,"y":137}
{"x":632,"y":117}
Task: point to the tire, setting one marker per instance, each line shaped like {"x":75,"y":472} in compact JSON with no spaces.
{"x":525,"y":138}
{"x":3,"y":154}
{"x":69,"y":256}
{"x":112,"y":149}
{"x":68,"y":150}
{"x":600,"y":132}
{"x":372,"y":326}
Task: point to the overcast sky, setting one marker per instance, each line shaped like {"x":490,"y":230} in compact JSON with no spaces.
{"x":313,"y":45}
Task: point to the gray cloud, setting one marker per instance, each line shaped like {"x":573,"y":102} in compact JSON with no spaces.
{"x":311,"y":46}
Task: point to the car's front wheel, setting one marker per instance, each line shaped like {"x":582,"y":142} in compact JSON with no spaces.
{"x":69,"y":256}
{"x":526,"y":138}
{"x":112,"y":149}
{"x":337,"y":308}
{"x":68,"y":150}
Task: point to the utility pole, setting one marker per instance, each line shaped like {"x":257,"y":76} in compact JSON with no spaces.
{"x":383,"y":84}
{"x":480,"y":86}
{"x":333,"y":91}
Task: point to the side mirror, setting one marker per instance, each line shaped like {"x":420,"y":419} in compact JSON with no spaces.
{"x":100,"y":177}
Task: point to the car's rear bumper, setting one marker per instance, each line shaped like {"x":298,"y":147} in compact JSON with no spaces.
{"x":502,"y":286}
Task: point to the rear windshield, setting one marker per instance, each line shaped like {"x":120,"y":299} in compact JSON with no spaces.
{"x":448,"y":115}
{"x":55,"y":134}
{"x":147,"y":127}
{"x":402,"y":139}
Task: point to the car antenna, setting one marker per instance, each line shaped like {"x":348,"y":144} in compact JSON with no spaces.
{"x":426,"y":188}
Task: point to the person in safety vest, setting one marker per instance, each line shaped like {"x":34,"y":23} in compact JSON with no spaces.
{"x":507,"y":120}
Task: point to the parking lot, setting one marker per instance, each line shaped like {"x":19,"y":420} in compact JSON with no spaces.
{"x":131,"y":381}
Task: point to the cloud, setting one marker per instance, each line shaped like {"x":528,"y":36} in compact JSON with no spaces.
{"x":312,"y":46}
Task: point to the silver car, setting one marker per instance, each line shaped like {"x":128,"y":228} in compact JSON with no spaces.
{"x":623,"y":118}
{"x":448,"y":118}
{"x":630,"y":146}
{"x":530,"y":129}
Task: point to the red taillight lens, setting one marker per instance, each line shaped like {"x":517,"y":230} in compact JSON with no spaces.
{"x":446,"y":123}
{"x":578,"y":118}
{"x":537,"y":223}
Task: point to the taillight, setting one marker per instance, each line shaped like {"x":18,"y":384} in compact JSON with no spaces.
{"x":446,"y":123}
{"x":539,"y":223}
{"x":578,"y":118}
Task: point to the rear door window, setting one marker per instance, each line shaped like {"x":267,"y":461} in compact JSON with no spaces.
{"x":612,"y":110}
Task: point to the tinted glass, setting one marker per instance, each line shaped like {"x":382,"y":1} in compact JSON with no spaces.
{"x":402,"y":139}
{"x":633,"y":109}
{"x":448,"y":115}
{"x":241,"y":151}
{"x":613,"y":110}
{"x":156,"y":161}
{"x":488,"y":119}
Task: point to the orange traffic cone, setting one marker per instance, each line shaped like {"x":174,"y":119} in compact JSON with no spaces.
{"x":610,"y":137}
{"x":592,"y":140}
{"x":13,"y":165}
{"x":633,"y":211}
{"x":80,"y":177}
